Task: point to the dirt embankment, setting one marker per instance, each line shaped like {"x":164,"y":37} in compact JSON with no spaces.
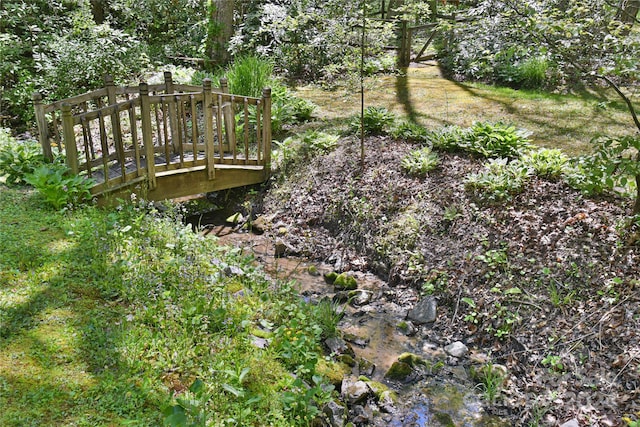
{"x":545,"y":284}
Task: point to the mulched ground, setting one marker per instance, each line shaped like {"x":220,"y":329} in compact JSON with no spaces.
{"x":547,"y":283}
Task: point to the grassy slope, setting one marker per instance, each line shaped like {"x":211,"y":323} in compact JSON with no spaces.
{"x":567,"y":122}
{"x":105,"y":316}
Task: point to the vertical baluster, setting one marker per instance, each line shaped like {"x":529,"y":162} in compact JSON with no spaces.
{"x":43,"y":130}
{"x":219,"y":127}
{"x":105,"y":149}
{"x":115,"y":123}
{"x":184,"y":136}
{"x":246,"y":130}
{"x":161,"y":137}
{"x":56,"y":131}
{"x":167,"y":153}
{"x":86,"y":131}
{"x":134,"y":135}
{"x":173,"y":114}
{"x":147,"y":135}
{"x":266,"y":132}
{"x":258,"y":133}
{"x":85,"y":108}
{"x":207,"y":112}
{"x":232,"y":129}
{"x":194,"y":128}
{"x":69,"y":136}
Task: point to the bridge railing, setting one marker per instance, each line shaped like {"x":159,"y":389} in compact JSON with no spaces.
{"x":122,"y":135}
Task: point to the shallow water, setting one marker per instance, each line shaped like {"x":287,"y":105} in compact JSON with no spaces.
{"x":431,"y":401}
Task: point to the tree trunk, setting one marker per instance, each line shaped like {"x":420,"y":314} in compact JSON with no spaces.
{"x":97,"y":10}
{"x":219,"y":31}
{"x":628,"y":14}
{"x":392,"y":11}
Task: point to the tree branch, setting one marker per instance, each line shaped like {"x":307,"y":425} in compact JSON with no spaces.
{"x":625,"y":98}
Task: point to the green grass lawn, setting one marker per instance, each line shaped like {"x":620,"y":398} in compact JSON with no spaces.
{"x":108,"y":316}
{"x":422,"y":95}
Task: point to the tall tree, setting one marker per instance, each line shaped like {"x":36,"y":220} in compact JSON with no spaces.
{"x":98,"y":11}
{"x":219,"y":31}
{"x":629,"y":11}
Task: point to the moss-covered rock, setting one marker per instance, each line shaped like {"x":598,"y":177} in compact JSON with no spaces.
{"x":365,"y":367}
{"x":347,"y":360}
{"x":261,"y":333}
{"x":491,"y":370}
{"x":444,"y":419}
{"x":388,"y":397}
{"x":412,"y":359}
{"x":334,"y":372}
{"x":345,"y":282}
{"x":399,"y":371}
{"x":377,"y":387}
{"x":330,"y":277}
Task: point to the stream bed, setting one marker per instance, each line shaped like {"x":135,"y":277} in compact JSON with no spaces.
{"x":375,"y":326}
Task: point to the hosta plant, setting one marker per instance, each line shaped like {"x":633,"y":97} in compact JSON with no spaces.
{"x":420,"y":162}
{"x":58,"y":186}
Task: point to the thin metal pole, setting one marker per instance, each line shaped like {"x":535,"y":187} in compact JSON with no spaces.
{"x":364,"y":23}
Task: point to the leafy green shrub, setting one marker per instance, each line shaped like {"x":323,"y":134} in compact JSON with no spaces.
{"x":58,"y":186}
{"x":315,"y":141}
{"x":78,"y":60}
{"x":302,"y":109}
{"x":546,"y":162}
{"x":410,"y":131}
{"x":302,"y":401}
{"x":375,"y":120}
{"x":505,"y":65}
{"x":499,"y":180}
{"x":420,"y":162}
{"x":497,"y":140}
{"x":314,"y":43}
{"x":18,"y":158}
{"x":300,"y":146}
{"x":482,"y":138}
{"x":448,"y":138}
{"x":612,"y":167}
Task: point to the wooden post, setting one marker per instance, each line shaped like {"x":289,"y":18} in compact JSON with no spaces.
{"x":266,"y":132}
{"x":115,"y":121}
{"x":147,"y":136}
{"x":207,"y":110}
{"x":229,"y":119}
{"x":69,"y":138}
{"x":434,"y":10}
{"x":172,"y":109}
{"x":404,"y":53}
{"x":43,"y":129}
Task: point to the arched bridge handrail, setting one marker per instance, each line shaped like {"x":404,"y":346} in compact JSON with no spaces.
{"x":126,"y":135}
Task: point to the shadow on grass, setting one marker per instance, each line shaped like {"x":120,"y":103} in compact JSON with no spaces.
{"x":559,"y":122}
{"x":404,"y":96}
{"x":60,"y":340}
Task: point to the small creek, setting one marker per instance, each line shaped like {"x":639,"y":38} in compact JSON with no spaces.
{"x":446,"y":398}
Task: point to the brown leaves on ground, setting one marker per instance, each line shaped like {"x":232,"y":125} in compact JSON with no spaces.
{"x":551,"y":289}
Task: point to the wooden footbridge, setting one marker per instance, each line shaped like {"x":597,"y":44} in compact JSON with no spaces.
{"x":160,"y":141}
